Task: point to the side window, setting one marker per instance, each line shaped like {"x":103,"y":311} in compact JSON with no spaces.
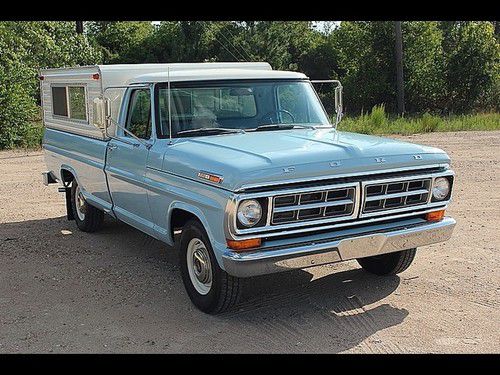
{"x":69,"y":101}
{"x":77,"y":105}
{"x":139,"y":114}
{"x":59,"y":101}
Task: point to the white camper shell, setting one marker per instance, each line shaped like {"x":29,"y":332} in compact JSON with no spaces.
{"x":69,"y":94}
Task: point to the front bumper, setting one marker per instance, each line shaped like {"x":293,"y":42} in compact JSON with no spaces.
{"x":337,"y":250}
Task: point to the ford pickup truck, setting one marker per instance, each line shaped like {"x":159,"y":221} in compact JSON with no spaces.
{"x":238,"y":167}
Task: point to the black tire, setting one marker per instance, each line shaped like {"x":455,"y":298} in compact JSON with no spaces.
{"x":225,"y":289}
{"x":94,"y":217}
{"x":388,"y":264}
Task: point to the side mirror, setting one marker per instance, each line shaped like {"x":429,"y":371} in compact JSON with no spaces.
{"x":338,"y":100}
{"x":100,"y":107}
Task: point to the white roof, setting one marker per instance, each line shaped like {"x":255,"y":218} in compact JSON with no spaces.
{"x":124,"y":74}
{"x":214,"y":74}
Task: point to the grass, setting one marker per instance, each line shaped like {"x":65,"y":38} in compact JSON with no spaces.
{"x":378,"y":122}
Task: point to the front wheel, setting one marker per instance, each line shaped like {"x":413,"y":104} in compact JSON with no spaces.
{"x":388,"y":264}
{"x":210,"y":288}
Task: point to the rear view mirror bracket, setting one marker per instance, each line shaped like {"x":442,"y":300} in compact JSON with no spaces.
{"x":338,"y":98}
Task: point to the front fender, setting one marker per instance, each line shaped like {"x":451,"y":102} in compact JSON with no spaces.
{"x":200,"y":215}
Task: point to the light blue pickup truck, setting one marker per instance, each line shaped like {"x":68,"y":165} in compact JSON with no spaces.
{"x":239,"y":167}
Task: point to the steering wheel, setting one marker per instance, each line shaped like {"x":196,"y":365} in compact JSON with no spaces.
{"x":273,"y":114}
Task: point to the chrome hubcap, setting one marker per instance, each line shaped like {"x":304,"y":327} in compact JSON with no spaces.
{"x":199,"y":266}
{"x":80,"y":204}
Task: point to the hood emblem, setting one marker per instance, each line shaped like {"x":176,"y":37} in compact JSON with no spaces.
{"x":417,"y":157}
{"x":380,"y":160}
{"x":210,"y":177}
{"x":334,"y":164}
{"x":288,"y":169}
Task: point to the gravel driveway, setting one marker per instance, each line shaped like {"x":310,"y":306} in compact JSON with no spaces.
{"x":119,"y":290}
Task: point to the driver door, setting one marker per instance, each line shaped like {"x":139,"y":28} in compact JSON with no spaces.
{"x":126,"y":163}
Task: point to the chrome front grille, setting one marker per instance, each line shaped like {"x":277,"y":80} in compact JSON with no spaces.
{"x":314,"y":205}
{"x":395,"y":195}
{"x":364,"y":199}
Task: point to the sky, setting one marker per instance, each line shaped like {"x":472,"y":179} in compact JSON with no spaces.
{"x":322,"y":26}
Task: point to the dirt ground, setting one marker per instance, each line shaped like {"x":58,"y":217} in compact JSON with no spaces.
{"x":119,"y":290}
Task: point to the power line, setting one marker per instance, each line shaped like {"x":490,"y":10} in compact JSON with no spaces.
{"x":227,"y":40}
{"x":240,"y":45}
{"x":223,"y":46}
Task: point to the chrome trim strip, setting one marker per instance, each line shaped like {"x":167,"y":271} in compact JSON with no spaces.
{"x":340,"y":225}
{"x":269,"y":211}
{"x":313,"y":205}
{"x":331,"y":177}
{"x":292,"y":191}
{"x":396,"y":195}
{"x":412,"y":208}
{"x":265,"y":262}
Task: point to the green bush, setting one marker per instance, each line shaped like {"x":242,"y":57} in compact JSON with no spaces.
{"x":18,"y":108}
{"x":429,"y":123}
{"x":378,"y":123}
{"x":25,"y":47}
{"x":378,"y":118}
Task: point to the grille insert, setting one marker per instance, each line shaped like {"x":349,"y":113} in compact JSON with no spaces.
{"x":313,"y":205}
{"x":391,"y":195}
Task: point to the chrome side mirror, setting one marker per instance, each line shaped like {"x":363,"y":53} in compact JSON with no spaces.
{"x":99,"y":107}
{"x":338,"y":104}
{"x":338,"y":98}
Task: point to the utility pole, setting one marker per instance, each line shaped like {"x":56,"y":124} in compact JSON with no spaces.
{"x":79,"y":27}
{"x":399,"y":69}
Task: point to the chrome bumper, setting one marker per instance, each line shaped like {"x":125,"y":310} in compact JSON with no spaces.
{"x":315,"y":254}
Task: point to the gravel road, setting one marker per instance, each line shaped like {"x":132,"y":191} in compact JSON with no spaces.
{"x":119,"y":290}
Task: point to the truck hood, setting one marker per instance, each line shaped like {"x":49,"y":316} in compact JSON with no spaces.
{"x":267,"y":157}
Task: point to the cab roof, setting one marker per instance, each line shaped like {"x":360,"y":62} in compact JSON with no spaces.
{"x":126,"y":74}
{"x":212,"y":74}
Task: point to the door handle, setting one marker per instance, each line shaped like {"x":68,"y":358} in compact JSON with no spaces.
{"x":112,"y":147}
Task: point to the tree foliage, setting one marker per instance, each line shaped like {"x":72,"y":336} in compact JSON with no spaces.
{"x":449,"y":67}
{"x":119,"y":41}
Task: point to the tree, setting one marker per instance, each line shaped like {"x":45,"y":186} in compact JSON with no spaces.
{"x":25,"y":47}
{"x":472,"y":59}
{"x":120,"y":42}
{"x":424,"y":66}
{"x":366,"y":64}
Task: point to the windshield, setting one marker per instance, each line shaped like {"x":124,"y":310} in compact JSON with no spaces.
{"x":246,"y":105}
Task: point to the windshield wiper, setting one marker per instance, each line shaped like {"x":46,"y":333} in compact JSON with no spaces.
{"x":208,"y":131}
{"x":282,"y":127}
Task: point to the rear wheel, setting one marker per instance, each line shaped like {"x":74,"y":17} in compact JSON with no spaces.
{"x":388,"y":264}
{"x":210,"y":288}
{"x":87,"y":217}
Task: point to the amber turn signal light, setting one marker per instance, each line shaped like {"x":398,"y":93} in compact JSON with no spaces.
{"x":435,"y":216}
{"x":244,"y":245}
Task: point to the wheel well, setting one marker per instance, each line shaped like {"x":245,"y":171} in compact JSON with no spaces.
{"x":179,"y":218}
{"x":67,"y":176}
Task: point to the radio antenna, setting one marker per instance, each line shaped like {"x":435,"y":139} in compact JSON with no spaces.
{"x":169,"y":106}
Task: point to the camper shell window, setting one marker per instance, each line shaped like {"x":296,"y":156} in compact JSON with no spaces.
{"x":69,"y":101}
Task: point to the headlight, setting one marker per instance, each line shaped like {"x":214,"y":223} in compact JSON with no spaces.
{"x":441,"y":188}
{"x":249,"y":212}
